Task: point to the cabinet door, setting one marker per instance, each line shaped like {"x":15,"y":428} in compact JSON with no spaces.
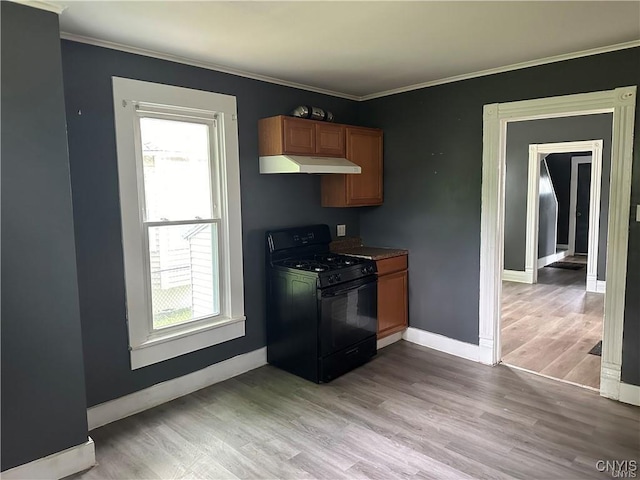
{"x":330,"y":140}
{"x":392,"y":303}
{"x":364,"y":147}
{"x":299,"y":136}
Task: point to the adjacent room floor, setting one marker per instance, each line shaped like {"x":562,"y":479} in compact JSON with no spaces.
{"x":409,"y":413}
{"x":551,"y":326}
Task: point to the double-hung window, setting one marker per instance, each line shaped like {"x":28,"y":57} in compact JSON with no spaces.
{"x":178,"y":171}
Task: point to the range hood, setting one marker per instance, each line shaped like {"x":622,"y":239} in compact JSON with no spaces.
{"x":305,"y":164}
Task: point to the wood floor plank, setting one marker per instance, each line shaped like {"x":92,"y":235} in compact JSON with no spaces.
{"x":410,"y":413}
{"x":549,"y":327}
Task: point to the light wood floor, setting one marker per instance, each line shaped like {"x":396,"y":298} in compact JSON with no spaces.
{"x":549,"y":327}
{"x":410,"y":413}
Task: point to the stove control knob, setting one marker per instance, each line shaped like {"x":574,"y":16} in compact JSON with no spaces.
{"x":371,"y":269}
{"x":332,"y":278}
{"x":338,"y":277}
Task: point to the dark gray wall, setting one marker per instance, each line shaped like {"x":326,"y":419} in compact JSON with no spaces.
{"x":547,"y":213}
{"x":631,"y":338}
{"x":43,"y":391}
{"x":267,"y":201}
{"x":560,"y":169}
{"x":519,"y":136}
{"x":433,"y":164}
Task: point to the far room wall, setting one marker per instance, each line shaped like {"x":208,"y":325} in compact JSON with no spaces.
{"x":522,"y":134}
{"x":433,"y":179}
{"x":560,"y":169}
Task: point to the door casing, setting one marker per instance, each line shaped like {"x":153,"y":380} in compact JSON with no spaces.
{"x":622,"y":103}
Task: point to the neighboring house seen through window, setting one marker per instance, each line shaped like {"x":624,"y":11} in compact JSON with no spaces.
{"x":181,"y":227}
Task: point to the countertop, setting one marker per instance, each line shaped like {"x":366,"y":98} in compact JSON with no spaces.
{"x":374,"y":253}
{"x":353,"y":246}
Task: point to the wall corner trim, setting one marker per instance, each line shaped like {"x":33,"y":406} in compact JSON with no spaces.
{"x":160,"y":393}
{"x":57,"y":465}
{"x":441,"y":343}
{"x":42,"y":5}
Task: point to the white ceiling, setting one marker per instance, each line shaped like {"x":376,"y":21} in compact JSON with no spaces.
{"x":360,"y":48}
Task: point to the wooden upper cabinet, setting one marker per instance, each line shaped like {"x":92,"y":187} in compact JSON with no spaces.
{"x":329,"y":139}
{"x":364,"y":148}
{"x":298,"y":136}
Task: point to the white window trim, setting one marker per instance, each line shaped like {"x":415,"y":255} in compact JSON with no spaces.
{"x":147,"y":346}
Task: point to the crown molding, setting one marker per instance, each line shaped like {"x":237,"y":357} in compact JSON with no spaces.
{"x":200,"y":64}
{"x":311,"y":88}
{"x":42,"y":5}
{"x":507,"y":68}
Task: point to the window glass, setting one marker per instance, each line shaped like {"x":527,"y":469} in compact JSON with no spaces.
{"x":175,"y":159}
{"x":184,"y":273}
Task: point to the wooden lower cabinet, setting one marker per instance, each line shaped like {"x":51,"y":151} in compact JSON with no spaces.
{"x":393,"y":304}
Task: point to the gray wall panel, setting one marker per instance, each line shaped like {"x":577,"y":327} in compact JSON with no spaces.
{"x":267,"y":201}
{"x":547,"y":214}
{"x":43,"y":390}
{"x":560,"y":169}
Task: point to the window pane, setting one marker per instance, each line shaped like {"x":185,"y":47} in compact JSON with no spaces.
{"x":175,"y":158}
{"x":184,"y":273}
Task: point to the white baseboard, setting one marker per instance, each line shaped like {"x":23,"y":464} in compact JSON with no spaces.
{"x":564,"y":246}
{"x":57,"y":465}
{"x":442,"y":343}
{"x":171,"y":389}
{"x":386,"y":341}
{"x":630,"y":394}
{"x":517,"y":276}
{"x":549,"y":259}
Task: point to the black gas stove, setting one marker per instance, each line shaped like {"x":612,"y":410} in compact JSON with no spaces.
{"x":321,"y":306}
{"x":331,"y":268}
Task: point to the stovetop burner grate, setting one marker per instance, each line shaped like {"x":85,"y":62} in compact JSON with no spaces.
{"x":307,"y":265}
{"x":337,"y":260}
{"x":321,"y":262}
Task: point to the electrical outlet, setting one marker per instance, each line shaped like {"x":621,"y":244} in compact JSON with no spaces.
{"x":342,"y":230}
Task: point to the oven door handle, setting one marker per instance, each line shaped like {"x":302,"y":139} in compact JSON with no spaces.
{"x":353,"y":286}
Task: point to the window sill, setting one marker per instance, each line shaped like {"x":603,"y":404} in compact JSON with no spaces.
{"x":173,"y":343}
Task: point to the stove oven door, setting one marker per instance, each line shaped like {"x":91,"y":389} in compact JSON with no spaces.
{"x":348,"y":314}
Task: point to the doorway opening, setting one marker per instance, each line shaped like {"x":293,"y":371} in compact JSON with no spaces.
{"x":621,"y":102}
{"x":580,"y":216}
{"x":551,"y":321}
